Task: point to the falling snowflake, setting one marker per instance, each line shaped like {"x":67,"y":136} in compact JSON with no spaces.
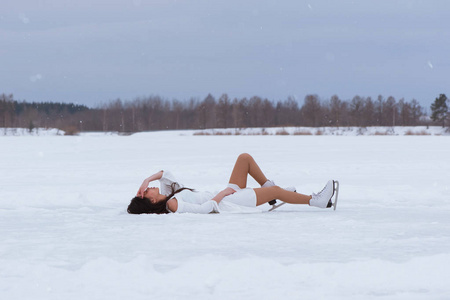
{"x":24,"y":19}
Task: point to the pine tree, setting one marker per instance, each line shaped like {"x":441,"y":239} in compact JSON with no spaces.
{"x":439,"y":109}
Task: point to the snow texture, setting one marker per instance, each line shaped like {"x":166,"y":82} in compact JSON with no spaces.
{"x":65,"y":233}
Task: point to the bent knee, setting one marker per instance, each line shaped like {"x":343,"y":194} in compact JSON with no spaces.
{"x":275,"y":188}
{"x":245,"y":156}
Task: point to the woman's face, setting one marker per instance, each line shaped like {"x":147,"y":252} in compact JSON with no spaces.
{"x":152,"y":194}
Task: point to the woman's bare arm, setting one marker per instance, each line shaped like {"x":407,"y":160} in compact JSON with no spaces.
{"x":147,"y":181}
{"x":223,"y":194}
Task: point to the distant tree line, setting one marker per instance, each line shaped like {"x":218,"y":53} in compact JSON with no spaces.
{"x":156,"y":113}
{"x":45,"y":114}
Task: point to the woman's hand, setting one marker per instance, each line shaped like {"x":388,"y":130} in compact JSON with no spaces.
{"x":226,"y":192}
{"x":142,"y":188}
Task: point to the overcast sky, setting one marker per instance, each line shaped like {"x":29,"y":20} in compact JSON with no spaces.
{"x":91,"y":51}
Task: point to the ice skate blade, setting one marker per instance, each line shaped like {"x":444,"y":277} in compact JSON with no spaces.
{"x":336,"y":190}
{"x":276,"y":206}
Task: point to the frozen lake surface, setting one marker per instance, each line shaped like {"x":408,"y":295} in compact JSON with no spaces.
{"x":65,"y":233}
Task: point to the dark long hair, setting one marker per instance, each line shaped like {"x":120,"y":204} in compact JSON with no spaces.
{"x":140,"y":205}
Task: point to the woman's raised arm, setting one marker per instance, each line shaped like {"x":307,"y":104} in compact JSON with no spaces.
{"x":147,"y":181}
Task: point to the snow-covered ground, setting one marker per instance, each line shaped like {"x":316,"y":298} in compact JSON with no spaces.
{"x":65,"y":233}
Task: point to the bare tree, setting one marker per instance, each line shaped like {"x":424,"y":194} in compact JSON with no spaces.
{"x":389,"y":112}
{"x":206,"y":113}
{"x":311,"y":111}
{"x":224,"y":112}
{"x":356,"y":110}
{"x":416,"y":112}
{"x":268,"y":113}
{"x":337,"y":109}
{"x":379,"y":110}
{"x":368,"y":113}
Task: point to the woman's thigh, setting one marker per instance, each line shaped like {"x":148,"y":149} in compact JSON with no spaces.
{"x":240,"y":171}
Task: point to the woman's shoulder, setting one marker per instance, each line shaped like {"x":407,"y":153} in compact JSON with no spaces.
{"x":172,"y":204}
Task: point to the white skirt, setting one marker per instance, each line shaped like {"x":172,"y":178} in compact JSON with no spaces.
{"x":243,"y":197}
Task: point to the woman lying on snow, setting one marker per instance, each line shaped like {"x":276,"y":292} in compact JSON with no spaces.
{"x":173,"y":197}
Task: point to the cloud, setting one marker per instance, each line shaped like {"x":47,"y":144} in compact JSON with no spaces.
{"x":36,"y":77}
{"x":181,"y":49}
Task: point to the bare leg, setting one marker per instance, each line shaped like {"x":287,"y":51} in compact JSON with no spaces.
{"x":245,"y":164}
{"x":264,"y":195}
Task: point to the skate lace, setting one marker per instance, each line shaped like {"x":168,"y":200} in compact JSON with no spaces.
{"x":317,"y":194}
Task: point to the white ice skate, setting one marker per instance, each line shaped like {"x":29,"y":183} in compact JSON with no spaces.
{"x":323,"y":198}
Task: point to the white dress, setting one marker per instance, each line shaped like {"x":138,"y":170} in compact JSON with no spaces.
{"x":244,"y":200}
